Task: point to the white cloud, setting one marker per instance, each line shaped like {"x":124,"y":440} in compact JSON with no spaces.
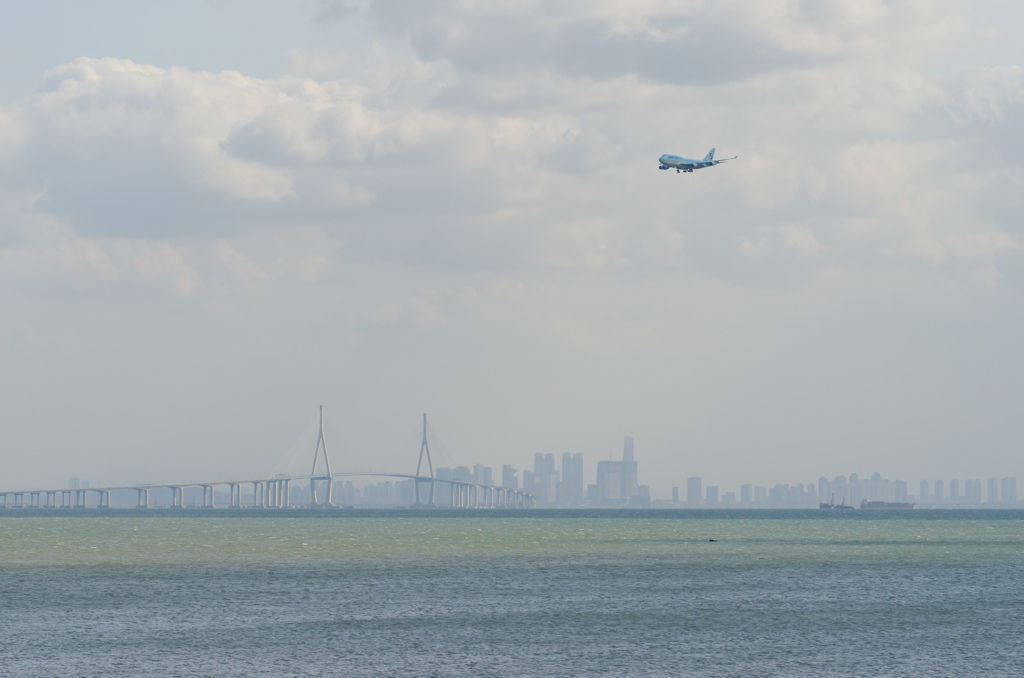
{"x":478,"y":210}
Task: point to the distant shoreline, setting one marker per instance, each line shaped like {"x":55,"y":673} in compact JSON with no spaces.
{"x":618,"y":513}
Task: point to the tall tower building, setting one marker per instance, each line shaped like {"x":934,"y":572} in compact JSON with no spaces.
{"x":572,"y":479}
{"x":1009,"y":490}
{"x":712,"y":495}
{"x":693,"y":493}
{"x":993,"y":491}
{"x":630,"y":488}
{"x":508,"y":477}
{"x":855,"y":490}
{"x":972,"y":492}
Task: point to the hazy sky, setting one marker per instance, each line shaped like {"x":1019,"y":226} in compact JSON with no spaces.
{"x":216,"y":216}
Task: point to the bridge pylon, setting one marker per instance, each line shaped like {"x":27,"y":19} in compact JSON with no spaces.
{"x":314,"y":478}
{"x":425,"y":449}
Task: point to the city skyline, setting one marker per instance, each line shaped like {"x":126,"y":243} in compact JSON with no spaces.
{"x":616,"y":486}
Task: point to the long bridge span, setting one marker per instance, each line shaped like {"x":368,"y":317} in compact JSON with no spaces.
{"x":275,"y":491}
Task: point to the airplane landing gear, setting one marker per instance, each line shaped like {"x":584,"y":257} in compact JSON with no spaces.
{"x":677,"y":171}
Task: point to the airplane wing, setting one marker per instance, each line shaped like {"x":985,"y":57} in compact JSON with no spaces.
{"x":725,"y":159}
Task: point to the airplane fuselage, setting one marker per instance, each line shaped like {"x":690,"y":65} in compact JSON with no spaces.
{"x":685,"y":164}
{"x":680,"y":164}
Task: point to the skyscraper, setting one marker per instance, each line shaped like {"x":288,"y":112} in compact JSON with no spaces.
{"x":972,"y":492}
{"x":899,"y":491}
{"x":1009,"y":493}
{"x":617,"y":480}
{"x":693,"y":493}
{"x":824,"y":489}
{"x":712,"y":495}
{"x":746,"y":493}
{"x":508,"y":477}
{"x":571,"y":493}
{"x":856,"y":495}
{"x":993,"y":491}
{"x":545,"y":479}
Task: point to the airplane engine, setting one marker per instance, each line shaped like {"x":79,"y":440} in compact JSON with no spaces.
{"x":662,"y":167}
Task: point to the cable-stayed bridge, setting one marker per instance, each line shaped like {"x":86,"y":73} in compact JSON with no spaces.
{"x":275,"y":491}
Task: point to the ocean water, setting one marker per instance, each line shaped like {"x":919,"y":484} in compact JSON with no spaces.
{"x":226,"y":593}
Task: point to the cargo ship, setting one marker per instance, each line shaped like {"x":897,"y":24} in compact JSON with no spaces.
{"x":832,"y":504}
{"x":885,"y":505}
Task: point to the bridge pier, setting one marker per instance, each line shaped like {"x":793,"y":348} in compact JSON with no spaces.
{"x":235,"y":495}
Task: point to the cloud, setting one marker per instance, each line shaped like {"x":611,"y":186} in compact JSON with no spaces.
{"x":469,"y":214}
{"x":472,"y":157}
{"x":690,"y":43}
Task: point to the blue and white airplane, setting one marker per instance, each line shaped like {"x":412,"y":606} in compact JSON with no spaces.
{"x":688,"y":165}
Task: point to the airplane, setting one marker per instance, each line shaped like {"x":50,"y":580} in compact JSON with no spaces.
{"x":688,"y":165}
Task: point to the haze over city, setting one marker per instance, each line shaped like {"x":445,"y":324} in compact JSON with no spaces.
{"x":216,"y":216}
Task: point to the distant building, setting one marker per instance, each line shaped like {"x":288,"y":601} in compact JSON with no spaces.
{"x":760,"y":495}
{"x":729,"y":499}
{"x":954,"y":491}
{"x":693,"y":493}
{"x":993,"y":491}
{"x":840,"y":489}
{"x":940,"y":493}
{"x":509,"y":478}
{"x":642,"y":498}
{"x":972,"y":492}
{"x":483,"y":475}
{"x":1009,"y":490}
{"x":824,"y":488}
{"x":853,"y":490}
{"x":617,"y":480}
{"x":746,"y":494}
{"x":570,"y":491}
{"x":712,"y":495}
{"x":543,"y":481}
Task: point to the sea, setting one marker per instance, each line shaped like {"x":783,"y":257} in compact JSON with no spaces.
{"x":511,"y":593}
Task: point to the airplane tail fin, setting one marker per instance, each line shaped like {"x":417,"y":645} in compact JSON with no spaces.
{"x":710,"y":156}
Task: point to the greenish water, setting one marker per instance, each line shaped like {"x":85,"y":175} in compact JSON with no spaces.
{"x":492,"y":595}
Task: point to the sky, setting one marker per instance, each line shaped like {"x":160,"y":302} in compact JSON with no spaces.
{"x":216,"y":216}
